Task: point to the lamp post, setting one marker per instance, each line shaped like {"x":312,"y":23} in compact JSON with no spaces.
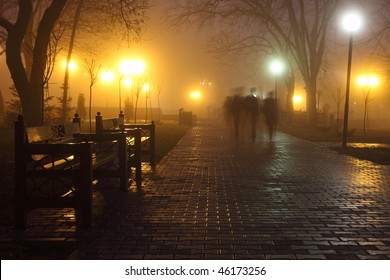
{"x":277,"y":68}
{"x":120,"y":92}
{"x":146,"y":89}
{"x":351,"y":22}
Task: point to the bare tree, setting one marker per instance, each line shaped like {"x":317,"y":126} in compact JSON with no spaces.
{"x":93,"y":73}
{"x":338,"y":99}
{"x":300,"y":26}
{"x":80,"y":109}
{"x":128,"y":109}
{"x":2,"y":110}
{"x":29,"y":84}
{"x":138,"y":84}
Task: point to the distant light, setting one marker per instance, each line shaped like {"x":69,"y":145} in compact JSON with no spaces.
{"x":276,"y":67}
{"x":146,"y":87}
{"x":352,"y":21}
{"x":368,"y":81}
{"x":132,"y":67}
{"x":195,"y":95}
{"x":107,"y":76}
{"x":127,"y":82}
{"x":297,"y":99}
{"x":72,"y":65}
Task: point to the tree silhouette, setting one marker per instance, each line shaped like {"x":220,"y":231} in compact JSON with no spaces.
{"x":16,"y":19}
{"x":299,"y":26}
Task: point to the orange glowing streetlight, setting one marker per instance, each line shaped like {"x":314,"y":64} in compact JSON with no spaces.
{"x":146,"y":89}
{"x":297,"y":100}
{"x":195,"y":95}
{"x":367,"y":83}
{"x":133,"y":69}
{"x":107,"y":76}
{"x":129,"y":67}
{"x":71,"y":66}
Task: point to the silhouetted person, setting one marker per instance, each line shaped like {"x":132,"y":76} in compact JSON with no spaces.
{"x":227,"y":113}
{"x":270,"y":111}
{"x":237,"y":112}
{"x":252,"y":109}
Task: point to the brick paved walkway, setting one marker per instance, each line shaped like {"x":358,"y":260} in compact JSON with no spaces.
{"x":212,"y":198}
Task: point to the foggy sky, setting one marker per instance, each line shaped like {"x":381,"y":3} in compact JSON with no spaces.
{"x":178,"y":61}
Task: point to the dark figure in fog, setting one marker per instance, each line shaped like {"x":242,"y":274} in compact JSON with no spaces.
{"x":227,"y":113}
{"x":270,"y":111}
{"x":252,"y":109}
{"x":237,"y":110}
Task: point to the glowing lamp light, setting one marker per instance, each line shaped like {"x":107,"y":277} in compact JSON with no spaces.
{"x":132,"y":67}
{"x":127,"y":82}
{"x":371,"y":81}
{"x":297,"y":99}
{"x":146,"y":87}
{"x":107,"y":76}
{"x":352,"y":21}
{"x":276,"y":67}
{"x":72,"y":65}
{"x":195,"y":95}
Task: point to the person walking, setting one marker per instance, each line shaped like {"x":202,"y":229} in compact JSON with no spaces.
{"x":252,"y":108}
{"x":270,"y":111}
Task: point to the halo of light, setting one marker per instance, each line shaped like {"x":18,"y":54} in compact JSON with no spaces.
{"x":352,"y":21}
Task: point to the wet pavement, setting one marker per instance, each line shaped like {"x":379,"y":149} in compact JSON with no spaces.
{"x":213,"y":198}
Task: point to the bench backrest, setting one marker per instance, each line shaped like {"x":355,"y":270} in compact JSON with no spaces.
{"x":113,"y":124}
{"x":52,"y":133}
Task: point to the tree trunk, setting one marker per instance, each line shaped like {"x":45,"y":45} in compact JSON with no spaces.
{"x":311,"y":102}
{"x":68,"y":59}
{"x":290,"y":84}
{"x":30,"y":90}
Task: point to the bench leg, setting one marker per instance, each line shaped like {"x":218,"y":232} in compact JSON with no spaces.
{"x":20,"y":211}
{"x":123,"y":166}
{"x":85,"y":186}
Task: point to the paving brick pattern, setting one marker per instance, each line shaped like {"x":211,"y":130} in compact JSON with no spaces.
{"x":213,"y":198}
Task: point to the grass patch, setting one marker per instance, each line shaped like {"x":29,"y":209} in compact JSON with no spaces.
{"x":330,"y":135}
{"x":375,"y":153}
{"x":167,"y":136}
{"x":378,"y":155}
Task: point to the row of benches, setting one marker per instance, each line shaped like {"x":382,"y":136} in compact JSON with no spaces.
{"x":56,"y":166}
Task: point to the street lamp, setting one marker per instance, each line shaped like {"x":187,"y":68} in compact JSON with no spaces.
{"x":367,"y":83}
{"x":276,"y":67}
{"x":351,"y":22}
{"x":146,"y":89}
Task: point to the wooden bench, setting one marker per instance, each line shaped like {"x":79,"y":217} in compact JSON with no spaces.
{"x":148,"y":136}
{"x":55,"y":167}
{"x":140,"y":140}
